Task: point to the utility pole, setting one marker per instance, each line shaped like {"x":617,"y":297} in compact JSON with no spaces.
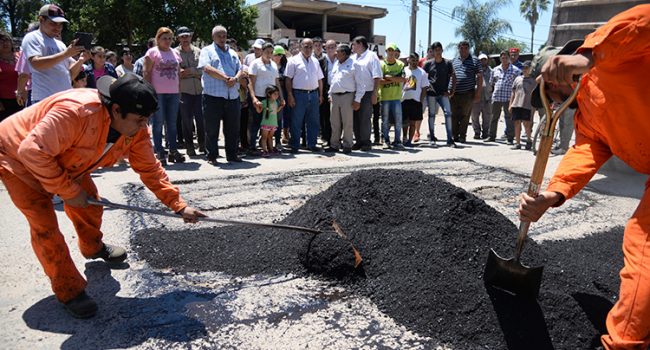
{"x":414,"y":15}
{"x":430,"y":20}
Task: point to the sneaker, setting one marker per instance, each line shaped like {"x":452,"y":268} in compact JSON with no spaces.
{"x":176,"y":157}
{"x":511,"y":142}
{"x":408,"y":144}
{"x":489,"y":139}
{"x":110,"y":253}
{"x":253,"y":153}
{"x":212,"y":160}
{"x":265,"y":154}
{"x":162,"y":157}
{"x":398,"y":146}
{"x":315,"y":149}
{"x":452,"y":144}
{"x":386,"y":145}
{"x":347,"y":150}
{"x":516,"y":146}
{"x":294,"y":150}
{"x":82,"y":306}
{"x":529,"y":145}
{"x":331,"y":150}
{"x":559,"y":151}
{"x":191,"y":152}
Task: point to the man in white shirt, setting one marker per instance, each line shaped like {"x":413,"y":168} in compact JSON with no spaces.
{"x":257,"y":52}
{"x":369,"y":73}
{"x":50,"y":61}
{"x":341,"y":95}
{"x":304,"y":80}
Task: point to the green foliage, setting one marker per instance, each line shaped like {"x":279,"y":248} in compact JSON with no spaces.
{"x":18,"y":14}
{"x":481,"y":27}
{"x":530,"y":10}
{"x":502,"y":43}
{"x":119,"y":23}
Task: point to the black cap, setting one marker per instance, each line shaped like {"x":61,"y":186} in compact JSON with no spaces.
{"x":183,"y":31}
{"x":540,"y":59}
{"x":132,"y":93}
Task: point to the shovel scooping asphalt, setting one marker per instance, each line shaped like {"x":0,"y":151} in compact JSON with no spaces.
{"x":510,"y":274}
{"x":337,"y":228}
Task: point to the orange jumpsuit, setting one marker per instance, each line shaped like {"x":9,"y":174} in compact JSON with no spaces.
{"x":51,"y":148}
{"x":614,"y":119}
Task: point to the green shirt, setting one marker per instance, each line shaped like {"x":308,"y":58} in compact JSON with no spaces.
{"x":271,"y":112}
{"x":392,"y":91}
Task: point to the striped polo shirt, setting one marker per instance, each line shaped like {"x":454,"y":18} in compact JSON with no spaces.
{"x":466,"y":71}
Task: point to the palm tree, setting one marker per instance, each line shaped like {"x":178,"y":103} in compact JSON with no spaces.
{"x":480,"y":26}
{"x":530,"y":10}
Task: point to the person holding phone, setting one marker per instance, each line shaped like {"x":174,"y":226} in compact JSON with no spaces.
{"x":50,"y":61}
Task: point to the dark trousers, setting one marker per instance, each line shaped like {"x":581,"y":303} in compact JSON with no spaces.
{"x":497,"y":107}
{"x":255,"y":124}
{"x":461,"y":111}
{"x":216,"y":109}
{"x":325,"y":124}
{"x":376,"y":117}
{"x":191,"y":113}
{"x":9,"y":107}
{"x":362,"y":119}
{"x":243,"y":126}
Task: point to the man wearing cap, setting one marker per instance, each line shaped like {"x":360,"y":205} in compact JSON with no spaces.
{"x":191,"y":91}
{"x":51,"y":62}
{"x":220,"y":80}
{"x":514,"y":58}
{"x":53,"y":147}
{"x":391,"y":96}
{"x":482,"y":109}
{"x":257,"y":52}
{"x":612,"y":119}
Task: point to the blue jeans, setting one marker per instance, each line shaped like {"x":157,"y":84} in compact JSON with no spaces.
{"x":434,"y":102}
{"x":395,"y":108}
{"x":306,"y":112}
{"x":165,"y":115}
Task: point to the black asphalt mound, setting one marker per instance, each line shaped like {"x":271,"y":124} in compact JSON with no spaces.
{"x":424,"y":244}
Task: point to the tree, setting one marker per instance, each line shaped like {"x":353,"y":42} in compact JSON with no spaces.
{"x":118,"y":23}
{"x":18,"y":13}
{"x":502,"y":43}
{"x":530,"y":10}
{"x":479,"y":23}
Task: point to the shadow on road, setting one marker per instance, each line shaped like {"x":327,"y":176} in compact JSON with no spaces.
{"x":123,"y":322}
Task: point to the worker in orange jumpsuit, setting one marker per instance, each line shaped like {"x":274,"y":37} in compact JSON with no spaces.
{"x":613,"y":118}
{"x":53,"y":146}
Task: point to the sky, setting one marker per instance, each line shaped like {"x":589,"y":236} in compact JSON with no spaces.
{"x":395,"y":26}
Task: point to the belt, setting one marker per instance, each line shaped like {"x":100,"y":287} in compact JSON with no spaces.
{"x":306,"y":91}
{"x":342,"y":93}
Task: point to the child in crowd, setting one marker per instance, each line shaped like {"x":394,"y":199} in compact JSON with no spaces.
{"x":269,"y":109}
{"x":520,"y":107}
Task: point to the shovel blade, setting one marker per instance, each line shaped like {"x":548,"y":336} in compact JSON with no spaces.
{"x":512,"y":276}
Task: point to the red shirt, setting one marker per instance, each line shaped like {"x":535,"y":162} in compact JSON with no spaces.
{"x":8,"y":80}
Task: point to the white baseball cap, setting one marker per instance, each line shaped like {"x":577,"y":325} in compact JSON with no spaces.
{"x":482,"y":56}
{"x":258,"y":43}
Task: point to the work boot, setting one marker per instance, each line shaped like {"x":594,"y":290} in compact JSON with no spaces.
{"x":176,"y":157}
{"x":110,"y":253}
{"x":82,"y":306}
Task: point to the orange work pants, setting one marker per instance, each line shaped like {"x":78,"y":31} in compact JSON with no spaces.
{"x":48,"y":242}
{"x":628,"y":323}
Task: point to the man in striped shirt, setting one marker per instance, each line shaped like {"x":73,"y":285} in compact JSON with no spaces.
{"x":469,"y":82}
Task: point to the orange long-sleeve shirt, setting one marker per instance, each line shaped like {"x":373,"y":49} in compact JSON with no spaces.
{"x":53,"y":143}
{"x":614,"y":103}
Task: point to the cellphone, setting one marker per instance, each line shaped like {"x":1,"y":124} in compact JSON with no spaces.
{"x":84,"y":39}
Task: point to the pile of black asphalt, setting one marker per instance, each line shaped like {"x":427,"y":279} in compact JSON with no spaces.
{"x":424,"y":243}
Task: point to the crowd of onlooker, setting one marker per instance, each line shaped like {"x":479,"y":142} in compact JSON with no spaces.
{"x":274,"y":99}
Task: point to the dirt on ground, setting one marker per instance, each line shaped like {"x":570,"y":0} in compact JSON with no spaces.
{"x":424,"y":253}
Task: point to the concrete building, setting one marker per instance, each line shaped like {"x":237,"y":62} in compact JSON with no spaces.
{"x":573,"y":19}
{"x":292,"y":20}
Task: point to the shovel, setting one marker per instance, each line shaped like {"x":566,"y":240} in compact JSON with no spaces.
{"x":337,"y":228}
{"x":510,"y":274}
